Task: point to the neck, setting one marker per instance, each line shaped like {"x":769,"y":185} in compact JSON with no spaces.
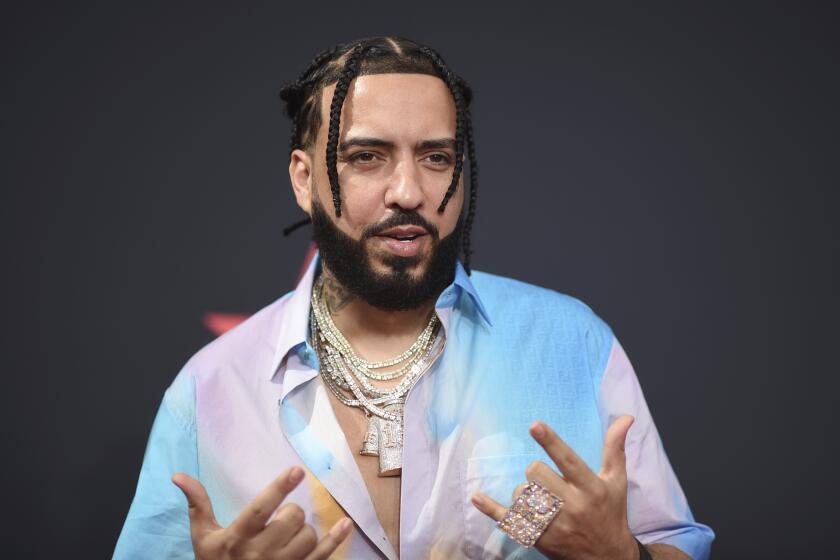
{"x":375,"y":333}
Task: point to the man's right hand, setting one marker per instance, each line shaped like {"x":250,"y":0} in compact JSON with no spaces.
{"x":251,"y":535}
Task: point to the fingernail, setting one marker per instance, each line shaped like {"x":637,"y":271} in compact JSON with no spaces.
{"x":340,"y":528}
{"x":478,"y":500}
{"x":296,"y":475}
{"x":538,"y":429}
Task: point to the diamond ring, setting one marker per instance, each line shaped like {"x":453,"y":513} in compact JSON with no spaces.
{"x":530,"y":514}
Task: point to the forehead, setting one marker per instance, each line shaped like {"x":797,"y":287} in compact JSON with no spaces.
{"x":394,"y":105}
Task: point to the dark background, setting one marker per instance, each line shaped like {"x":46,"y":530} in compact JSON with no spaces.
{"x":673,"y":166}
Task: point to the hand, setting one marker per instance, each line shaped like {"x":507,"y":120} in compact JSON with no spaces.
{"x":592,"y":523}
{"x":251,"y":535}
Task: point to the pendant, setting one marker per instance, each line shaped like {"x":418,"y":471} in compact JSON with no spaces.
{"x":384,"y":439}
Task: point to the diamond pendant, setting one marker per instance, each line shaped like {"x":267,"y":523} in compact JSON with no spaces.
{"x":370,"y":445}
{"x":384,"y":439}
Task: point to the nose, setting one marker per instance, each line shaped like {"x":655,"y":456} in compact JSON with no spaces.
{"x":404,"y":186}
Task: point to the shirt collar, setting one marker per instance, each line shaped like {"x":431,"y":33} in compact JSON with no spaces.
{"x":462,"y":284}
{"x":294,"y":326}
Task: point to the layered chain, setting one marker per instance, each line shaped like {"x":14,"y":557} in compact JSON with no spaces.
{"x":345,"y":372}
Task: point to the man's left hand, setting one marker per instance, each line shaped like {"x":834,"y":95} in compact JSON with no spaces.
{"x":592,"y":522}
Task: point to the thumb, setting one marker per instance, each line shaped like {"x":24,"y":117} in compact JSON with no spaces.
{"x":200,"y":508}
{"x":614,"y":460}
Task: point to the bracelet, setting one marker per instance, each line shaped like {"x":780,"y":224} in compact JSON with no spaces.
{"x":644,"y":553}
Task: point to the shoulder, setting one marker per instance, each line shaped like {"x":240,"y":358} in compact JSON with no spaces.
{"x":546,"y":312}
{"x":247,"y":347}
{"x":511,"y":296}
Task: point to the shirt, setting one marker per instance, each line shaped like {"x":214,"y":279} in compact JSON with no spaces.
{"x":251,"y":404}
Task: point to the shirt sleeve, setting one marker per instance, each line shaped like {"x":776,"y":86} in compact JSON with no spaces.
{"x":657,"y":509}
{"x":157,"y":525}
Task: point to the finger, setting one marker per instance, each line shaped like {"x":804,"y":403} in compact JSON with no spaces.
{"x":198,"y":503}
{"x":302,"y":543}
{"x":574,"y":469}
{"x":518,"y":491}
{"x":488,"y":506}
{"x":548,"y":478}
{"x":256,"y":514}
{"x":287,"y":522}
{"x":615,"y":460}
{"x":331,"y":540}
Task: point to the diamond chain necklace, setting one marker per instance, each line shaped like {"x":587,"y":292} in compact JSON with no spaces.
{"x":336,"y":340}
{"x":343,"y":372}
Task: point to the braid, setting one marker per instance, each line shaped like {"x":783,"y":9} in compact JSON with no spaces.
{"x":344,"y":62}
{"x":291,"y":94}
{"x":295,"y":96}
{"x":351,"y":66}
{"x":468,"y":222}
{"x":454,"y":88}
{"x":462,"y":95}
{"x":316,"y":63}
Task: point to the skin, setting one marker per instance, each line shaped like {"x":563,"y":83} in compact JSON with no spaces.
{"x":592,"y":522}
{"x":404,"y":111}
{"x":377,"y":181}
{"x":259,"y":531}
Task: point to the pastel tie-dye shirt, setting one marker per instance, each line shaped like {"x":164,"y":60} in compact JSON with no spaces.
{"x":250,"y":404}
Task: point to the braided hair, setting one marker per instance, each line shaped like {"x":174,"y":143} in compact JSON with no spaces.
{"x":376,"y":55}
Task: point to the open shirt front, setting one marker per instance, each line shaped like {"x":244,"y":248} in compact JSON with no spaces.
{"x":250,"y":404}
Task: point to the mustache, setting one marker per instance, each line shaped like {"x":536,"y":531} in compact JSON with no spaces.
{"x":402,"y":218}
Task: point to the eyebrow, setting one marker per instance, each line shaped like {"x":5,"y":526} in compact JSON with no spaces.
{"x":369,"y":142}
{"x":437,"y":144}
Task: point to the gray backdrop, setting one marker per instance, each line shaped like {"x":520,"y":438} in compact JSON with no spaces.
{"x":673,"y":166}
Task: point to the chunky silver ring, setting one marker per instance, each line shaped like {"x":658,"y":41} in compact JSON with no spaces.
{"x":530,"y":514}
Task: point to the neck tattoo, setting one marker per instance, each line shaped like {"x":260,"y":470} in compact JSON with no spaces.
{"x":336,"y":296}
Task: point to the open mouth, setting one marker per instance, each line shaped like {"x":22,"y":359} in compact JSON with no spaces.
{"x":403,"y":238}
{"x":407,"y":241}
{"x":404,"y":234}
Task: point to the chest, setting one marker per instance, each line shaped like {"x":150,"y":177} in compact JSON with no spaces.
{"x":384,"y":491}
{"x":466,"y":430}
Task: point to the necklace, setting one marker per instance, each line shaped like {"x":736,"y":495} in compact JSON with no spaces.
{"x":337,"y":341}
{"x":346,"y":375}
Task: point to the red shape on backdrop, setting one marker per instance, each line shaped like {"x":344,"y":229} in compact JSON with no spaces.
{"x":219,"y":323}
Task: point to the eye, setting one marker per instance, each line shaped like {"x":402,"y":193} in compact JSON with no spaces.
{"x":363,"y":157}
{"x":440,"y":159}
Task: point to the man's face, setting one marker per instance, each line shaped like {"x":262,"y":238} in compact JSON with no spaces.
{"x":396,"y":154}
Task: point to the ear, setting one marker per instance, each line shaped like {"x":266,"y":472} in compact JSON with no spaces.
{"x":300,"y":174}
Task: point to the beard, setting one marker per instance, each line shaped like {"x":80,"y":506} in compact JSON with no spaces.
{"x":397,"y":290}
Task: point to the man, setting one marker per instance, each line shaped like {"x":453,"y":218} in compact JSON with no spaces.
{"x":396,"y":404}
